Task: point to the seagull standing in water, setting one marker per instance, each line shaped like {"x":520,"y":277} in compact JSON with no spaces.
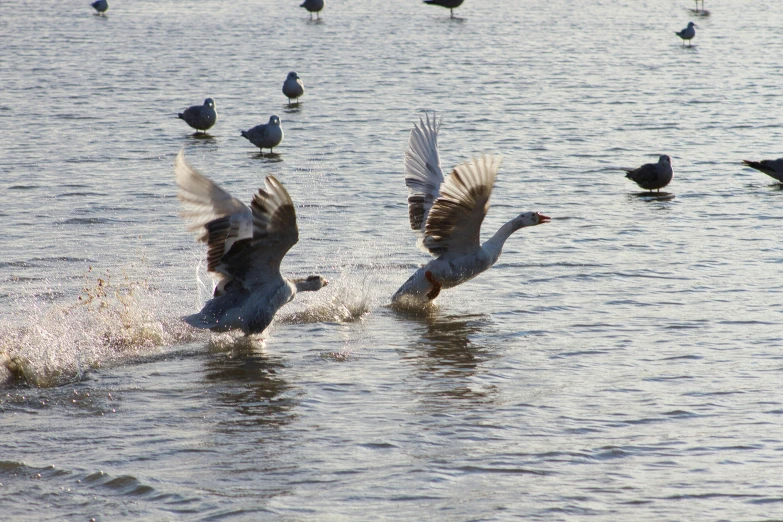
{"x":687,"y":34}
{"x":200,"y":117}
{"x":245,"y":246}
{"x":652,"y":176}
{"x":101,"y":6}
{"x":773,"y":168}
{"x":266,"y":135}
{"x":313,"y":6}
{"x":293,"y":87}
{"x":448,"y":215}
{"x":450,"y":4}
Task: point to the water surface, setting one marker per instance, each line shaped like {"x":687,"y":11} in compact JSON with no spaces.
{"x":622,"y":362}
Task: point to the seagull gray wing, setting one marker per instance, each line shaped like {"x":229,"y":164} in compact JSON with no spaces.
{"x":644,"y":175}
{"x":423,"y":175}
{"x":215,"y":216}
{"x":454,"y":222}
{"x":256,"y":260}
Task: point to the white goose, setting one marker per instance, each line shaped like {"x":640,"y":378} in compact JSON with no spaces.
{"x":448,"y":215}
{"x":244,"y":249}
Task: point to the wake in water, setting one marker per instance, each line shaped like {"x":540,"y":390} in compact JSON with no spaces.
{"x":114,"y":319}
{"x":118,"y":318}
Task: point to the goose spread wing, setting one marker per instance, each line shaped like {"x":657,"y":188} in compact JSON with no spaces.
{"x":454,"y":222}
{"x":423,"y":175}
{"x":257,"y":260}
{"x":215,"y":216}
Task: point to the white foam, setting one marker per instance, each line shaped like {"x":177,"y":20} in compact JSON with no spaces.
{"x":114,"y":319}
{"x":344,"y":300}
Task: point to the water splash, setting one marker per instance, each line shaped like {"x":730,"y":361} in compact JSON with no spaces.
{"x":346,"y":299}
{"x":236,"y":342}
{"x":114,"y":319}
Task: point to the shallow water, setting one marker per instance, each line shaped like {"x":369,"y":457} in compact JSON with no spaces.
{"x":622,"y":362}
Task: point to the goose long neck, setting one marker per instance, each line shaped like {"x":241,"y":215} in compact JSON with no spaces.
{"x":494,"y":245}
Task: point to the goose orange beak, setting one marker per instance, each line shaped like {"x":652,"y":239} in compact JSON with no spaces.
{"x":542,"y":218}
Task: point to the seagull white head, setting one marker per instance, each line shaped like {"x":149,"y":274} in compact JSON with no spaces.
{"x":274,"y":120}
{"x":665,"y":159}
{"x":209,"y":102}
{"x":691,"y":24}
{"x":293,"y":76}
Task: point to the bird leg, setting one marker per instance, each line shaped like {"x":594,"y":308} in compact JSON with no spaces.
{"x":432,"y":294}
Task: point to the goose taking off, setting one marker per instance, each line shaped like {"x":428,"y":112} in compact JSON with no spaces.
{"x":687,"y":34}
{"x":313,"y":6}
{"x":449,"y":4}
{"x":244,"y":249}
{"x":448,"y":215}
{"x":293,"y":87}
{"x":652,"y":176}
{"x":200,"y":117}
{"x":772,"y":168}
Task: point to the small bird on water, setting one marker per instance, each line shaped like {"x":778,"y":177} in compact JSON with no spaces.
{"x":245,"y":246}
{"x":313,"y":6}
{"x":652,"y":176}
{"x":200,"y":117}
{"x":687,"y":34}
{"x":101,"y":6}
{"x":267,"y":135}
{"x":449,"y":4}
{"x":773,"y":168}
{"x":293,"y":87}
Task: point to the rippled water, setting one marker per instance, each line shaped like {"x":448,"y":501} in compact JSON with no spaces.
{"x":622,"y":362}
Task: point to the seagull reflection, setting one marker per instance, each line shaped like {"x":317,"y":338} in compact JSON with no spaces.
{"x":248,"y":382}
{"x":202,"y":136}
{"x":448,"y":359}
{"x":651,"y":196}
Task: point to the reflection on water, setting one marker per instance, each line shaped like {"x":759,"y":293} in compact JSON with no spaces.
{"x":202,"y":136}
{"x":268,"y":157}
{"x":448,"y":359}
{"x":652,"y":196}
{"x":248,"y":381}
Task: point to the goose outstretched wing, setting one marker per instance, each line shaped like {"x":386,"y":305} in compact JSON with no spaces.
{"x":454,"y":221}
{"x":423,"y":175}
{"x":243,"y":243}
